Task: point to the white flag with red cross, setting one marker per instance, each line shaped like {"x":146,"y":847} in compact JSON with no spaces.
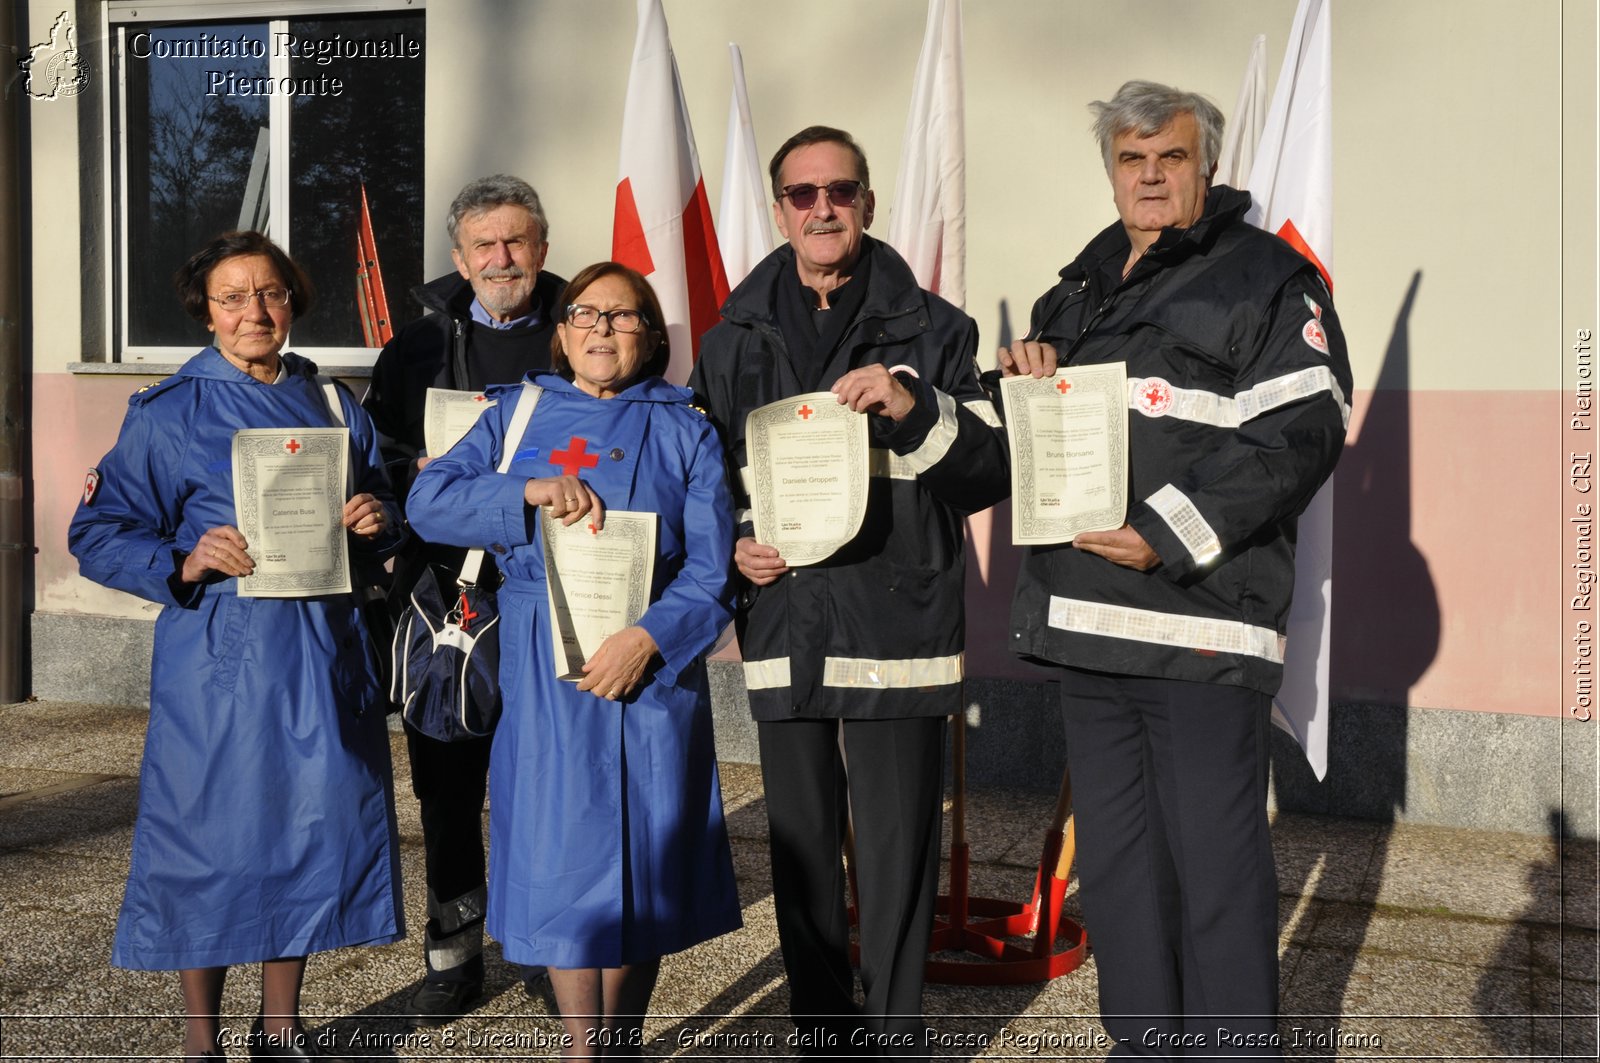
{"x":1291,"y":185}
{"x":662,"y":226}
{"x":928,"y":224}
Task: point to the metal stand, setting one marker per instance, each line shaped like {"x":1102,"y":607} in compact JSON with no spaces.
{"x":982,"y":926}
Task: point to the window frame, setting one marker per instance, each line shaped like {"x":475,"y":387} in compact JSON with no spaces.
{"x":118,"y":17}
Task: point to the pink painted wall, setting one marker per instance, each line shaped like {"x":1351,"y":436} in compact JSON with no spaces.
{"x":75,"y":421}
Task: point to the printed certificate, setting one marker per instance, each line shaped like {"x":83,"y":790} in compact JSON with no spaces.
{"x":1069,"y":452}
{"x":597,"y":582}
{"x":447,"y":415}
{"x":807,"y":476}
{"x":288,"y":495}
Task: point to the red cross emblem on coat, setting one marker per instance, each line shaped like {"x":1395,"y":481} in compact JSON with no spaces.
{"x":574,"y":459}
{"x":1153,"y":398}
{"x":1314,"y":336}
{"x":292,"y":445}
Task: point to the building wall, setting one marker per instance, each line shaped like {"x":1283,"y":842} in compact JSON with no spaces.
{"x":1464,"y":262}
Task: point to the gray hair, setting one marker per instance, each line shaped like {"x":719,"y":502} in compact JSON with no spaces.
{"x":498,"y":190}
{"x":1145,"y":108}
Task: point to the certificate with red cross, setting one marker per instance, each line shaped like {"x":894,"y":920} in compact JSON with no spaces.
{"x":447,"y":415}
{"x":1069,"y":452}
{"x":807,"y":476}
{"x":288,"y":500}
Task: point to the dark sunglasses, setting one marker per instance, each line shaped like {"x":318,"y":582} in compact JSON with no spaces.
{"x":840,"y":194}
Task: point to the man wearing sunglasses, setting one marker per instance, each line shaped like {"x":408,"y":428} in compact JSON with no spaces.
{"x":491,"y":321}
{"x":863,"y":649}
{"x":1168,"y":632}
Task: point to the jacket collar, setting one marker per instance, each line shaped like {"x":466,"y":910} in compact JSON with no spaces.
{"x":893,"y":297}
{"x":645,"y":389}
{"x":209,"y":364}
{"x":452,"y":295}
{"x":1224,"y":207}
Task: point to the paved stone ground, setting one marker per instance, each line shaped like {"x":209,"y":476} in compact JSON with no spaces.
{"x":1400,"y":943}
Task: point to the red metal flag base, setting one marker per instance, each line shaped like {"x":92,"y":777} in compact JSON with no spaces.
{"x":986,"y":928}
{"x":982,"y":926}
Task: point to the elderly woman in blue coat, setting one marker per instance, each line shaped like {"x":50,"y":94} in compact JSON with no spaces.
{"x":265,"y":829}
{"x":607,"y":843}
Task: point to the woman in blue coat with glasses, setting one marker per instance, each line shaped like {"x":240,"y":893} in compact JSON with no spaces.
{"x":266,"y":827}
{"x":607,"y":843}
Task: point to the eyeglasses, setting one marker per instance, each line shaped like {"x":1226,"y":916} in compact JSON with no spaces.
{"x":620,"y":320}
{"x":270,"y":297}
{"x":840,"y":194}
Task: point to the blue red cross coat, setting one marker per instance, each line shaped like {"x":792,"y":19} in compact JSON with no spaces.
{"x":266,"y":816}
{"x":607,"y":842}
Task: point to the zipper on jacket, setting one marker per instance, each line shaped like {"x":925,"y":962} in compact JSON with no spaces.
{"x":458,"y":354}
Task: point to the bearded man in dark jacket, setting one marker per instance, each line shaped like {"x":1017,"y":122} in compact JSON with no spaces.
{"x":1169,"y":631}
{"x":491,"y":323}
{"x":864,"y":648}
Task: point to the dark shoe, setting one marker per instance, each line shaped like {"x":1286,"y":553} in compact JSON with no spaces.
{"x":438,"y":1003}
{"x":535,"y":980}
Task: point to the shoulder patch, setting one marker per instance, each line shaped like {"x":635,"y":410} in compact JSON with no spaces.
{"x":1315,"y":337}
{"x":151,"y":391}
{"x":91,"y":486}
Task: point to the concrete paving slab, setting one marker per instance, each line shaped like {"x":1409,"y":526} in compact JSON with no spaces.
{"x":1414,"y":1007}
{"x":1324,"y":857}
{"x":1422,"y":935}
{"x":1565,"y":1020}
{"x":1568,"y":952}
{"x":1499,"y":876}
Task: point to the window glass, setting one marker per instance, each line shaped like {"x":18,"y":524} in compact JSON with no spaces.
{"x":199,"y":102}
{"x":188,"y":163}
{"x":372,"y":132}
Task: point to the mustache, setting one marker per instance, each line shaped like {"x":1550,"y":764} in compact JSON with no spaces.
{"x":507,"y":273}
{"x":825,"y":227}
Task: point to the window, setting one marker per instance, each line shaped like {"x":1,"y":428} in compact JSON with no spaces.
{"x":273,"y":122}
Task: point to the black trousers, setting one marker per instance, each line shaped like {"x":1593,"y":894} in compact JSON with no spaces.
{"x":451,"y":781}
{"x":896,"y":794}
{"x":1179,"y":890}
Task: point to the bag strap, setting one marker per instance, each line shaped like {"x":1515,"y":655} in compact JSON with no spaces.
{"x":330,"y":394}
{"x":527,"y":399}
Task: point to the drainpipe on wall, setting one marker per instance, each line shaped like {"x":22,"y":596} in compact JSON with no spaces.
{"x":16,"y":530}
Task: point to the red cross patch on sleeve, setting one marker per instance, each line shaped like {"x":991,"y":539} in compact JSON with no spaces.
{"x":1314,"y":336}
{"x":91,"y":486}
